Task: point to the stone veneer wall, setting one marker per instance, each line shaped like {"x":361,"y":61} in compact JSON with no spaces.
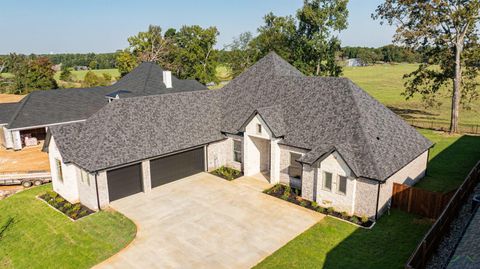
{"x":285,"y":162}
{"x":221,"y":154}
{"x":366,"y":197}
{"x":409,"y":175}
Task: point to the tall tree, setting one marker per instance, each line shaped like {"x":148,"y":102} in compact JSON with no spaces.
{"x":317,"y":20}
{"x":33,"y":74}
{"x":241,"y":54}
{"x":307,"y":40}
{"x":126,"y":62}
{"x":195,"y":54}
{"x":447,"y":30}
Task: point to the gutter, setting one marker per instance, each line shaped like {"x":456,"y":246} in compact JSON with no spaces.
{"x":378,"y":200}
{"x":96,"y":188}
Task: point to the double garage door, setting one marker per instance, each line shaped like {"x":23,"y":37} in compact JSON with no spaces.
{"x":127,"y":180}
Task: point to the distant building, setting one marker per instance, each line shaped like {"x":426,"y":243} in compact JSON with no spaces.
{"x":80,"y":67}
{"x":354,"y":62}
{"x":57,"y":67}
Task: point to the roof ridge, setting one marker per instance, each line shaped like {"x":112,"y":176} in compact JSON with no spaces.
{"x":148,"y":76}
{"x":360,"y":115}
{"x":19,"y":108}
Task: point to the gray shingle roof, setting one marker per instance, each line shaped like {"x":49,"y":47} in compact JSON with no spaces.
{"x":137,"y":128}
{"x":56,"y":106}
{"x":314,"y":113}
{"x":6,"y":111}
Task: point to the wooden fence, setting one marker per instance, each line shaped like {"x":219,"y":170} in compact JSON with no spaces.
{"x":421,"y":202}
{"x":441,"y":227}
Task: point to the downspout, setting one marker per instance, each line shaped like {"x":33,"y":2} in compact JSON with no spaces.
{"x":96,"y":188}
{"x":378,"y":200}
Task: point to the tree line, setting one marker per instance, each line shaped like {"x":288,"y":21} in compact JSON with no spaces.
{"x":441,"y":35}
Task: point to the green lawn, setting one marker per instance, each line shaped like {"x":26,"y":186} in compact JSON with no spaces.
{"x":41,"y":237}
{"x":335,"y":244}
{"x":385,"y":83}
{"x":450,"y":160}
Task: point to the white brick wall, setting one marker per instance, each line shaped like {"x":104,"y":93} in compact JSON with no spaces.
{"x":68,"y":187}
{"x":409,"y":175}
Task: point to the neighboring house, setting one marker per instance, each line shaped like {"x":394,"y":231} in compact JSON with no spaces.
{"x":42,"y":109}
{"x":354,"y":62}
{"x":80,"y":68}
{"x":324,"y":136}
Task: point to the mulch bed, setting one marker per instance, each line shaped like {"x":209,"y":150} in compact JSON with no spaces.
{"x":227,"y":173}
{"x":73,"y":211}
{"x":293,"y":196}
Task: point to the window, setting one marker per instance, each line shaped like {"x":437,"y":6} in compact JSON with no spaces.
{"x":58,"y":165}
{"x":327,"y":181}
{"x":259,"y":128}
{"x":85,"y":177}
{"x":237,"y":150}
{"x":295,"y":168}
{"x":342,"y":185}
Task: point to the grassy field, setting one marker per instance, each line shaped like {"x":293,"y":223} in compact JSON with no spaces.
{"x":450,"y":160}
{"x":80,"y":75}
{"x":385,"y":83}
{"x":41,"y":237}
{"x":335,"y":244}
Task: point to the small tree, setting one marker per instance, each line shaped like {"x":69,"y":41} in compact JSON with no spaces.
{"x":126,"y":62}
{"x":66,"y":74}
{"x":93,"y":65}
{"x":447,"y":31}
{"x":92,"y":80}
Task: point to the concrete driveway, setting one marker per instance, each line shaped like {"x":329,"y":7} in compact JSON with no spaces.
{"x":204,"y":221}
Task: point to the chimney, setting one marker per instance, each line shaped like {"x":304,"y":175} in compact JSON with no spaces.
{"x":167,"y":79}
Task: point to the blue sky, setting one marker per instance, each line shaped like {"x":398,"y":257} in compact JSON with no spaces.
{"x":32,"y":26}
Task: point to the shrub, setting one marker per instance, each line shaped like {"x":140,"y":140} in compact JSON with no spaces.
{"x":73,"y":215}
{"x":320,"y":209}
{"x":67,"y":206}
{"x":227,"y":172}
{"x":354,"y":219}
{"x":59,"y":200}
{"x":76,"y":208}
{"x":288,"y":190}
{"x":285,"y":196}
{"x":330,"y":210}
{"x":51,"y":202}
{"x":82,"y":213}
{"x":50,"y":194}
{"x":314,"y":204}
{"x":297,"y":192}
{"x":345,"y":214}
{"x":303,"y":203}
{"x":364,"y":219}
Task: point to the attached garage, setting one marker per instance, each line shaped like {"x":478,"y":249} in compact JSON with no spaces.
{"x":124,"y":181}
{"x":170,"y":168}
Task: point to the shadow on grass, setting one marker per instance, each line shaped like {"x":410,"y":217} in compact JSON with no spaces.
{"x":451,"y":159}
{"x":407,"y":113}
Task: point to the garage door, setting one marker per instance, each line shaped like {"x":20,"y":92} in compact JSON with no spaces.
{"x":171,"y":168}
{"x":124,"y":181}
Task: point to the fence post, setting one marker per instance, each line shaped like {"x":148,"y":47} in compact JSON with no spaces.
{"x":409,"y":205}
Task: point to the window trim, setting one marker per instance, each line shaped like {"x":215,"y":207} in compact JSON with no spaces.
{"x":338,"y":185}
{"x":237,"y":151}
{"x":259,"y":128}
{"x":293,"y":163}
{"x":324,"y":180}
{"x":58,"y":167}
